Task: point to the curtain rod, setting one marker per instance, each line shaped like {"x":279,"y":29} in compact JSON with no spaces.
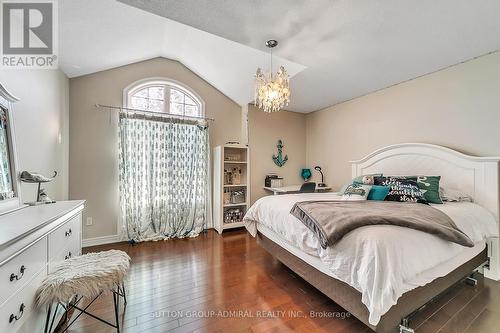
{"x":160,"y":114}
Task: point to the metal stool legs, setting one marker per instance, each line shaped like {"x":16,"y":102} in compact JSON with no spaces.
{"x":119,"y":292}
{"x":116,"y":303}
{"x":124,"y":293}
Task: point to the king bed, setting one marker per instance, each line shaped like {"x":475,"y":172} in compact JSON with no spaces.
{"x":382,"y":274}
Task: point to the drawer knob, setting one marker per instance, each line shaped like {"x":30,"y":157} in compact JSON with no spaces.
{"x":18,"y":316}
{"x":68,"y":256}
{"x":68,"y":233}
{"x":16,"y":276}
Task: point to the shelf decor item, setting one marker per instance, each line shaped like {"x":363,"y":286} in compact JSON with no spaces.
{"x":232,"y":157}
{"x":236,"y":176}
{"x":238,"y":197}
{"x":306,"y":174}
{"x":279,"y":160}
{"x":226,"y":199}
{"x":228,"y":177}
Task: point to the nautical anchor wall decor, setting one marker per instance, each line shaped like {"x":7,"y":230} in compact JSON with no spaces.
{"x":279,"y":160}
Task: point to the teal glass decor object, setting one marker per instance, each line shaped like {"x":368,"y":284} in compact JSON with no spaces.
{"x":306,"y":174}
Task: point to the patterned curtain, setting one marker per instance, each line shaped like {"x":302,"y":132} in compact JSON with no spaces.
{"x":164,"y":177}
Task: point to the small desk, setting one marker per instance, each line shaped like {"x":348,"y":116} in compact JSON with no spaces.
{"x":293,"y":189}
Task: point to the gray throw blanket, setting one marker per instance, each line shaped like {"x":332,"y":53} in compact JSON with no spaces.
{"x":332,"y":220}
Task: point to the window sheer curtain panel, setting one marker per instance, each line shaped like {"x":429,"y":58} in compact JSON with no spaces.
{"x":164,"y":177}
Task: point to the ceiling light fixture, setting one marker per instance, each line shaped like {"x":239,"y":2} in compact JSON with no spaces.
{"x":272,"y":92}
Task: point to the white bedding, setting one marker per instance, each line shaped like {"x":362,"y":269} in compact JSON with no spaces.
{"x":381,"y":262}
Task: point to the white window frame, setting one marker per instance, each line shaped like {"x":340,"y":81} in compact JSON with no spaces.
{"x":168,"y":84}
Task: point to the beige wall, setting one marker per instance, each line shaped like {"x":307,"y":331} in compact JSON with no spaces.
{"x":458,"y":107}
{"x":40,"y":118}
{"x":93,"y":134}
{"x":264,"y":130}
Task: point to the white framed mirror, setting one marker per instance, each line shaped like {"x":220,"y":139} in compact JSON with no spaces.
{"x":10,"y":194}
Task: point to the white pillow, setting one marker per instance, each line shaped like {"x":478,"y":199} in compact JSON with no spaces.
{"x":356,"y":192}
{"x":454,"y":195}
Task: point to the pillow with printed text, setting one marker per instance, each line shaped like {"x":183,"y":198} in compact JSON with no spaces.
{"x":402,"y":190}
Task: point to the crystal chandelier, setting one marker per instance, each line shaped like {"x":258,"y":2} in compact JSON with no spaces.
{"x":272,"y":92}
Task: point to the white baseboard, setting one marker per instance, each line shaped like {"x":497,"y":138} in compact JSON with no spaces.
{"x":100,"y":240}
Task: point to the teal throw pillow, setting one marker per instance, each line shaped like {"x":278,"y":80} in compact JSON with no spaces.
{"x":378,"y":192}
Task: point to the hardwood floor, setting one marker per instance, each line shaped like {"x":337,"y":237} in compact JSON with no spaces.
{"x":229,"y":284}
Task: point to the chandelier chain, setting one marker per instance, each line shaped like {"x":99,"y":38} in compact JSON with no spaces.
{"x":271,"y":61}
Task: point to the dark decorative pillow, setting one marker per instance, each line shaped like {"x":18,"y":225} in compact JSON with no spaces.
{"x":429,"y":185}
{"x":402,"y":189}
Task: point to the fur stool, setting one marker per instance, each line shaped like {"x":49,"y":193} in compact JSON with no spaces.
{"x":86,"y":276}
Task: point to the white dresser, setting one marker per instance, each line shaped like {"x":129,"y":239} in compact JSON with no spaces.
{"x":32,"y":240}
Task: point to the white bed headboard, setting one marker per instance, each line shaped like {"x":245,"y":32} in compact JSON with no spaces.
{"x":476,"y":176}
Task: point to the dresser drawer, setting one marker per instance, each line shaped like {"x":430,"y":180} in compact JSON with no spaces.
{"x":65,"y":237}
{"x":19,"y":270}
{"x":72,"y":250}
{"x":20,"y":307}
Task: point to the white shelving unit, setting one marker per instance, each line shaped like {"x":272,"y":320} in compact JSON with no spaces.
{"x":240,"y":160}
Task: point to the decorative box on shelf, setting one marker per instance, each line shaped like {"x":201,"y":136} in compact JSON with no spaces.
{"x":234,"y":196}
{"x":273,"y":180}
{"x":238,"y":196}
{"x":278,"y":182}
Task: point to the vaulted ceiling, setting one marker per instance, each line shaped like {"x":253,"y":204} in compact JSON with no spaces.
{"x":96,"y":35}
{"x":335,"y":49}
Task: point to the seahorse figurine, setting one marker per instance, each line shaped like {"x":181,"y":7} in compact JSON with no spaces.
{"x":279,"y":160}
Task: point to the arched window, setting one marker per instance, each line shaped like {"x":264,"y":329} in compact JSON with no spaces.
{"x":163,"y":96}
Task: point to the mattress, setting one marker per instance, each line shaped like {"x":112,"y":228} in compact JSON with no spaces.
{"x":432,"y":273}
{"x":381,"y":262}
